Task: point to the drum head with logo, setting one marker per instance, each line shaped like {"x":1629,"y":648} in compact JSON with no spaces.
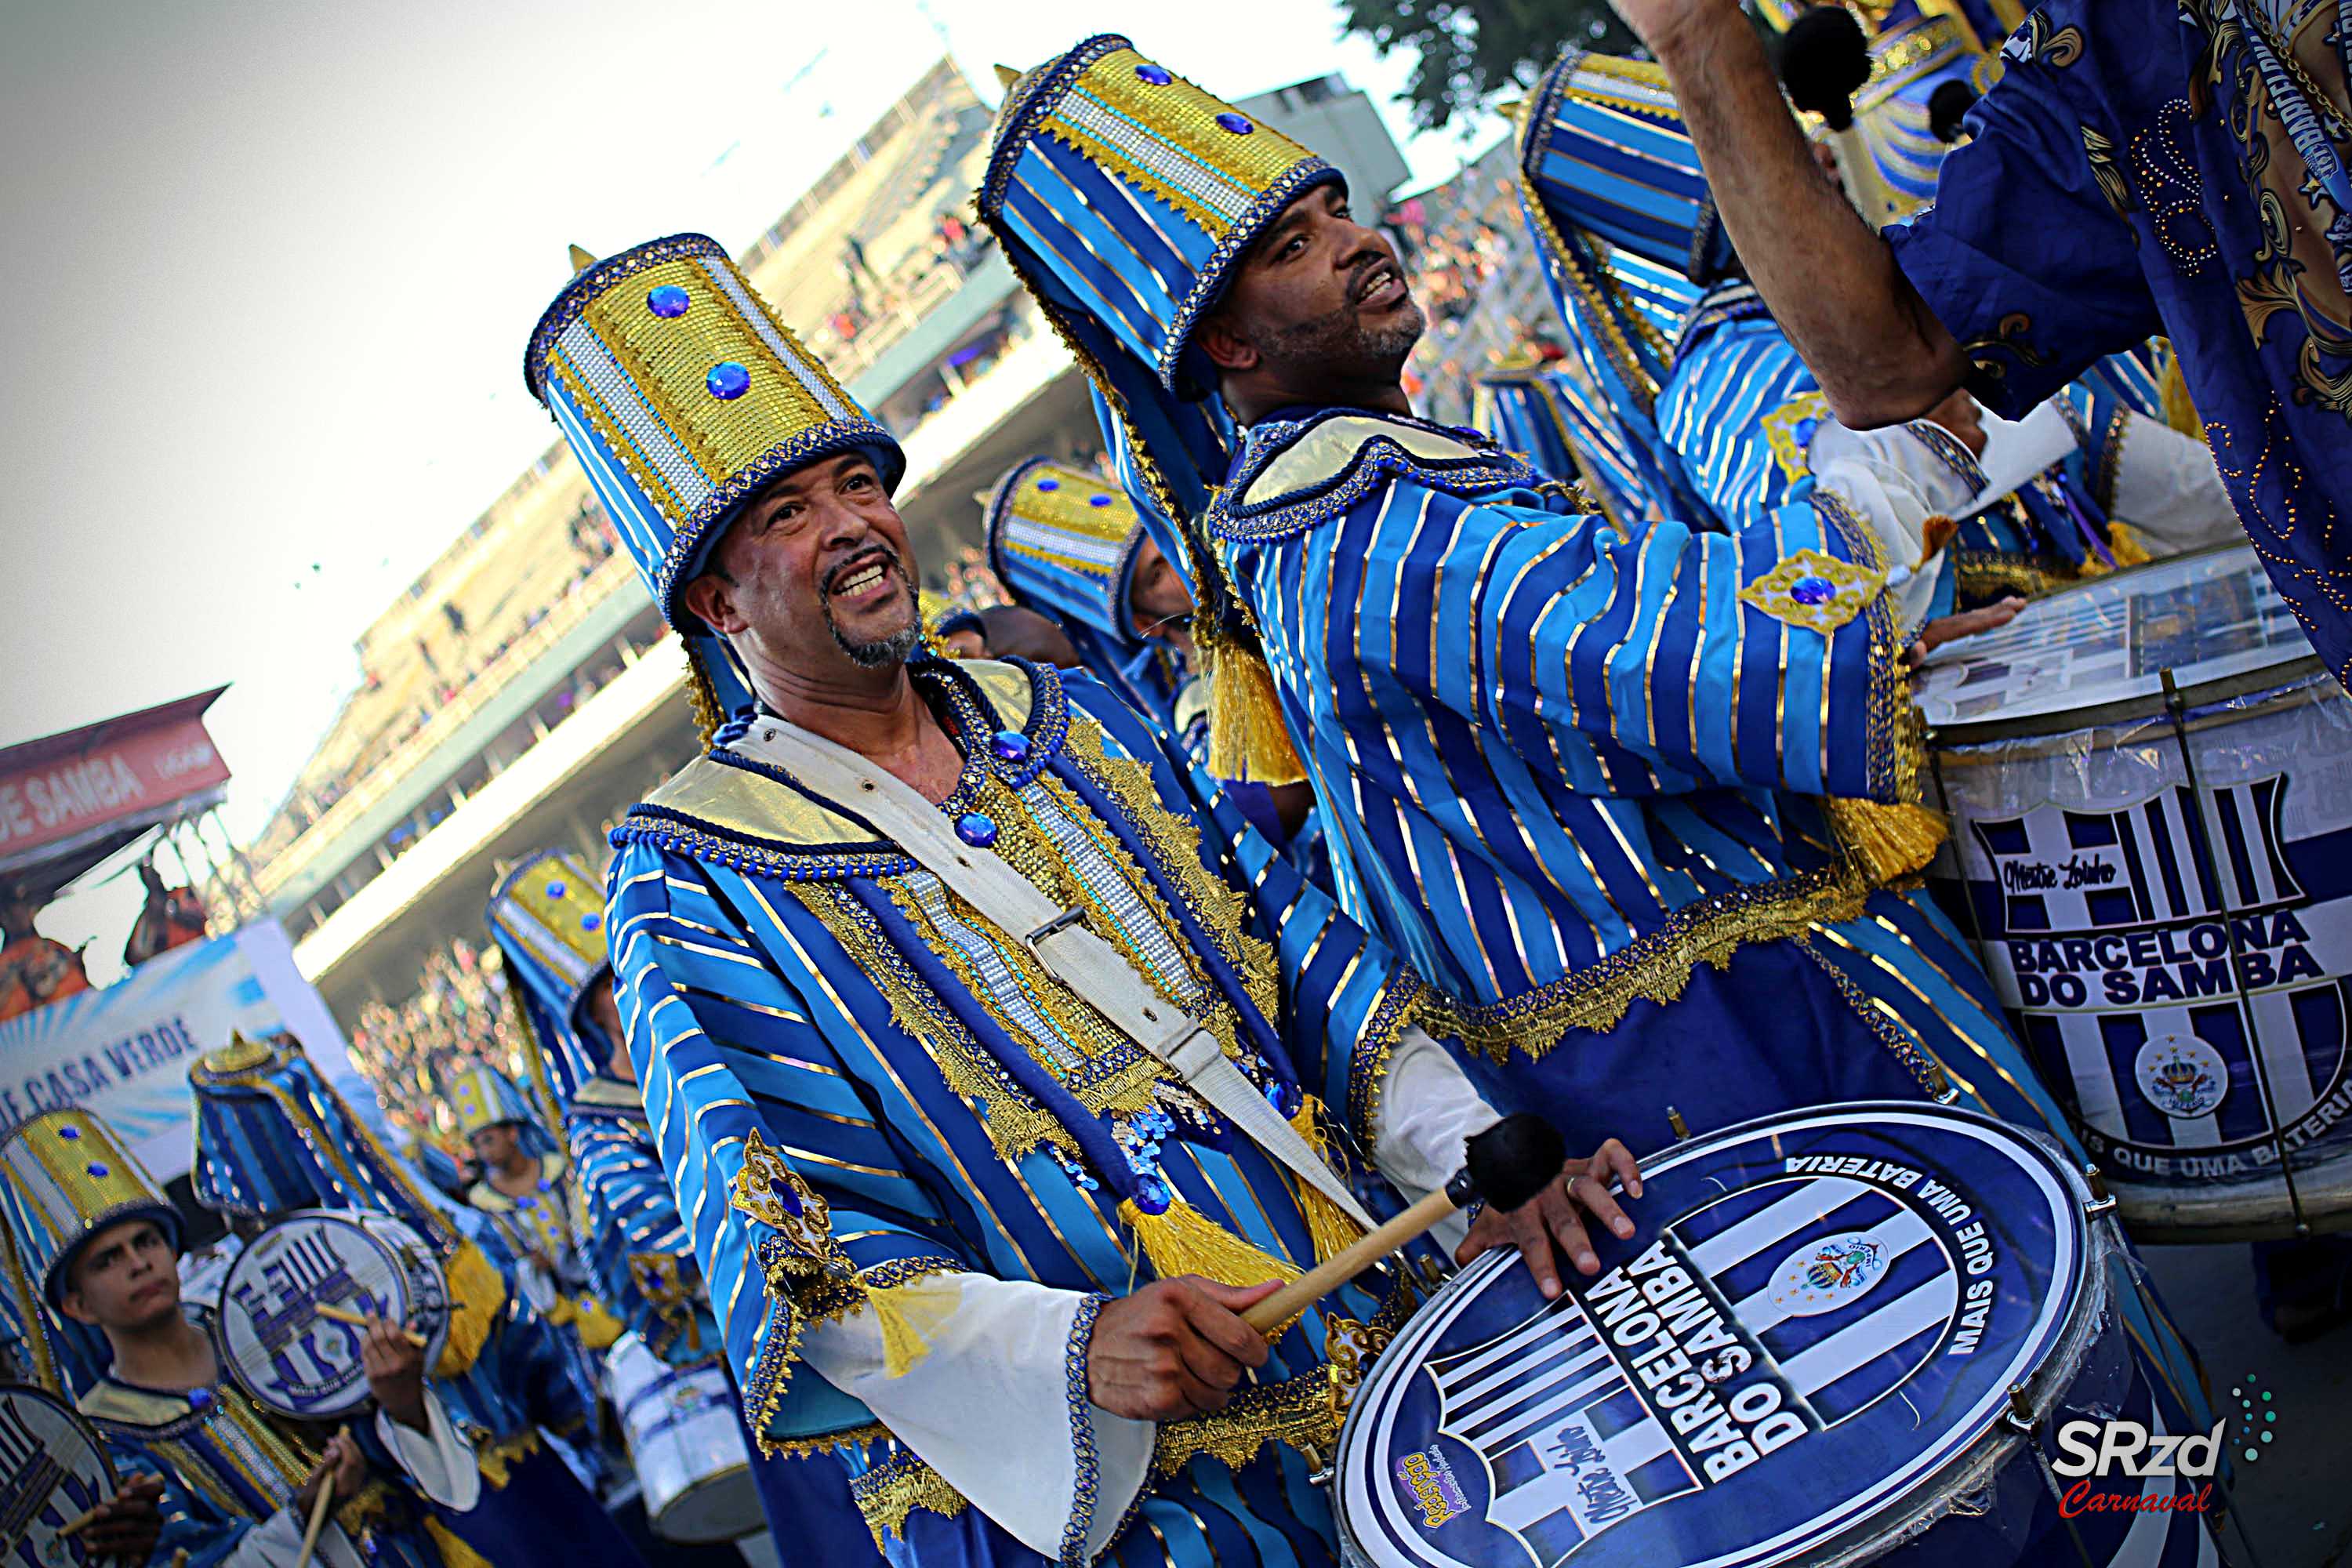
{"x":52,"y":1470}
{"x":269,"y":1329}
{"x":1815,"y":1328}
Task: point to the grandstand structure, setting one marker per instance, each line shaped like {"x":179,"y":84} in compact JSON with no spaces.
{"x":523,"y":691}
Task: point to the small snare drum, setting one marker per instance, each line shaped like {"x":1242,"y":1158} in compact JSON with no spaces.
{"x":269,"y":1333}
{"x":53,"y":1469}
{"x":1841,"y":1335}
{"x":2150,"y":778}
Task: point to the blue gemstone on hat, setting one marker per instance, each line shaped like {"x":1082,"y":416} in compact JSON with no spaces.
{"x":728,"y":380}
{"x":1010,"y":746}
{"x":1099,"y":500}
{"x":68,"y":1133}
{"x":199,"y":1397}
{"x":976,"y":828}
{"x":1812,"y":590}
{"x":555,"y":890}
{"x":1156,"y":75}
{"x":591,"y":921}
{"x":526,"y":1202}
{"x":668,"y":301}
{"x":98,"y":1170}
{"x":1049,"y":484}
{"x":1237,"y":124}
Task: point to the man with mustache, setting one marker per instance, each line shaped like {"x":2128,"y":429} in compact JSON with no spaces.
{"x":998,"y":1067}
{"x":1632,"y":806}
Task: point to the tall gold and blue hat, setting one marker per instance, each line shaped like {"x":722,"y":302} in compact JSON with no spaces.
{"x":484,"y":1097}
{"x":1063,"y":541}
{"x":273,"y":1135}
{"x":1626,"y":231}
{"x":65,"y":1177}
{"x":683,"y":396}
{"x":547,"y":915}
{"x":1125,"y":198}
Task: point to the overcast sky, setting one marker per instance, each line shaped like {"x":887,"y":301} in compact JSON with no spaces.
{"x":267,"y":270}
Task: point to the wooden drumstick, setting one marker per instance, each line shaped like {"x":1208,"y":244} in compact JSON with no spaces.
{"x":319,"y":1509}
{"x":360,"y":1320}
{"x":80,"y":1522}
{"x":1508,"y":1164}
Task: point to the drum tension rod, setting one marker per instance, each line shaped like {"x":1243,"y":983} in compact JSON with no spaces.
{"x":2102,"y":1202}
{"x":2020,"y":1413}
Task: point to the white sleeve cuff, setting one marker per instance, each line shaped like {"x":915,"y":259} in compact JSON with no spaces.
{"x":998,"y":1406}
{"x":438,"y":1460}
{"x":277,"y":1541}
{"x":1428,"y":1110}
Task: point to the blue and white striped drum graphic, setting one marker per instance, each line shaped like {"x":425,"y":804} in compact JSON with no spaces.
{"x":2166,"y":906}
{"x":269,"y":1329}
{"x":53,"y":1469}
{"x":1806,"y":1356}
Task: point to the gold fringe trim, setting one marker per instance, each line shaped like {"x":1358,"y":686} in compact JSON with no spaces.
{"x":2125,"y":545}
{"x":1886,"y":842}
{"x":497,"y":1460}
{"x":1653,"y":968}
{"x":831,"y":1442}
{"x":454,"y":1552}
{"x":2179,"y":412}
{"x":1183,"y":1240}
{"x":1297,"y":1412}
{"x":478,"y":1294}
{"x":1329,"y":1225}
{"x":889,"y":1492}
{"x":1248,"y":738}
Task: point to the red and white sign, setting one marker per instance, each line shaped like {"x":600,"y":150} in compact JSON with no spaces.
{"x":126,"y":770}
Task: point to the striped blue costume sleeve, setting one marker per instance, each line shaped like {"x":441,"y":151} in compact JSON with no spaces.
{"x":794,"y":1203}
{"x":1420,"y":605}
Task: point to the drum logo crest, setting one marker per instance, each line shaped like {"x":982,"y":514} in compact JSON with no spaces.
{"x":1827,"y":1274}
{"x":2182,"y":1076}
{"x":1427,"y":1477}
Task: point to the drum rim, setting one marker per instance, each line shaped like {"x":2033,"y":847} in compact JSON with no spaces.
{"x":2294,"y":668}
{"x":731,"y":1477}
{"x":436,"y":1338}
{"x":82,"y":1428}
{"x":1897,"y":1509}
{"x":341,"y":1217}
{"x":2299,"y":682}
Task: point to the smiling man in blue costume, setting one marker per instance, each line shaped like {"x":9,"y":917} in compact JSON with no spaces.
{"x":236,"y":1483}
{"x":547,"y":915}
{"x":1614,"y":194}
{"x":993,"y":1086}
{"x":2140,"y":167}
{"x":1633,"y":807}
{"x":273,"y":1136}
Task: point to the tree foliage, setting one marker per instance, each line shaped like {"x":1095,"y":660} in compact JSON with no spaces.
{"x":1474,"y":52}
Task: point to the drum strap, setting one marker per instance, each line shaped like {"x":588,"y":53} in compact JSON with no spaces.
{"x":1059,"y":941}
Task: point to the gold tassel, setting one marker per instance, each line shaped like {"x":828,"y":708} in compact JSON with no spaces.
{"x":1247,"y":739}
{"x":1332,"y":1228}
{"x":1183,"y":1240}
{"x":2178,"y":410}
{"x":477,"y":1293}
{"x":2125,"y":546}
{"x":1888,"y":842}
{"x":454,"y":1552}
{"x":907,"y":1316}
{"x":703,"y":697}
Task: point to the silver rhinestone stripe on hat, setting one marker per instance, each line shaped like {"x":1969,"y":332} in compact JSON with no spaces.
{"x":1196,"y":179}
{"x":618,"y":394}
{"x":793,"y":359}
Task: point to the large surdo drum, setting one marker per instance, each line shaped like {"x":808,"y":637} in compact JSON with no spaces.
{"x":1839,"y":1336}
{"x":52,"y":1471}
{"x":270,"y":1334}
{"x":2150,"y":780}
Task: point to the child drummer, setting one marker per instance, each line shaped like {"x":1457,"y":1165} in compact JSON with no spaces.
{"x":233,"y":1483}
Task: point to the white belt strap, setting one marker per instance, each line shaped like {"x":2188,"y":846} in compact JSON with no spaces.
{"x":1058,"y":938}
